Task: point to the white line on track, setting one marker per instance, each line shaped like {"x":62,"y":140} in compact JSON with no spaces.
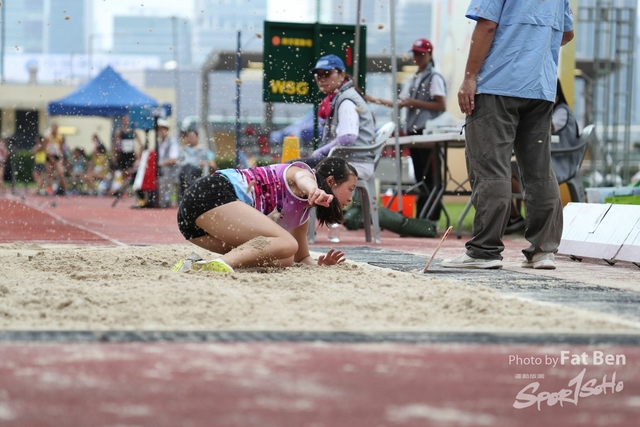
{"x":64,"y":221}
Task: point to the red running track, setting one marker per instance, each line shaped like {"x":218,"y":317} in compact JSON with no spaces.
{"x":85,"y":220}
{"x":296,"y":385}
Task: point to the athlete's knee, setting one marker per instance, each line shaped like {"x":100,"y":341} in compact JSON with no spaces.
{"x":289,"y":246}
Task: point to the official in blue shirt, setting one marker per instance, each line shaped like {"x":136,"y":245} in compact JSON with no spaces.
{"x":507,"y":94}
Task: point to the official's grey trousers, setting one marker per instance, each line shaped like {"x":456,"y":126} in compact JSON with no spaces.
{"x":498,"y":126}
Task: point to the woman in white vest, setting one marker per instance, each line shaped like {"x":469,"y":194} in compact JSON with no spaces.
{"x":348,"y":119}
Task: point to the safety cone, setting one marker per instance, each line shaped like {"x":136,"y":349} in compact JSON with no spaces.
{"x":290,"y":149}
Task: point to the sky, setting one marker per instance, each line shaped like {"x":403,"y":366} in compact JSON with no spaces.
{"x":105,"y":10}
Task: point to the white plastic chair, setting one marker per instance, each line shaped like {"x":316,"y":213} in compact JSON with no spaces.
{"x":574,"y":181}
{"x":366,"y":189}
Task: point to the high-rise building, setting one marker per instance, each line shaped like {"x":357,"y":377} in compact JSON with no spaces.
{"x":635,"y":109}
{"x":66,"y":29}
{"x":413,"y":20}
{"x":24,"y":26}
{"x":46,"y":26}
{"x":166,"y":37}
{"x":216,"y":23}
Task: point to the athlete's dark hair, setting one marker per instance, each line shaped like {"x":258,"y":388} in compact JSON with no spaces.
{"x":340,"y":170}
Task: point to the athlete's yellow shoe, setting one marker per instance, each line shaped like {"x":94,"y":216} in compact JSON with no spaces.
{"x":182,"y":265}
{"x":187,"y":263}
{"x":217,"y":265}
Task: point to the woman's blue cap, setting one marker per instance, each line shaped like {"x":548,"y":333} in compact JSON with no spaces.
{"x":329,"y":62}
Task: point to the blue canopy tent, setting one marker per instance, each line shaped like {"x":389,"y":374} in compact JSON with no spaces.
{"x":106,"y":95}
{"x":109,"y":95}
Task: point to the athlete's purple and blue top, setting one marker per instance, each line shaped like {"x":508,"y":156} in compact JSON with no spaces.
{"x":266,"y":189}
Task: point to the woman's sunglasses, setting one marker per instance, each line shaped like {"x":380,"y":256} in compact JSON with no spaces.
{"x":322,"y":74}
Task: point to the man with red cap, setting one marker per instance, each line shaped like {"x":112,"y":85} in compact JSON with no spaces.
{"x":424,"y":97}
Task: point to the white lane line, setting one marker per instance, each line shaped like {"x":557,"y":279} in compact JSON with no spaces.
{"x":64,"y":221}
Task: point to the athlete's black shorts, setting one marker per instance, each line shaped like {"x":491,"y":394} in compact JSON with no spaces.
{"x":126,"y":160}
{"x":205,"y":194}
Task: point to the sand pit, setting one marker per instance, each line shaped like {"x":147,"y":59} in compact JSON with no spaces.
{"x":132,"y":287}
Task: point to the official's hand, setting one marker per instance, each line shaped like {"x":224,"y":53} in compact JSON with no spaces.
{"x":318,"y":197}
{"x":466,"y":95}
{"x":408,"y":103}
{"x":332,"y":257}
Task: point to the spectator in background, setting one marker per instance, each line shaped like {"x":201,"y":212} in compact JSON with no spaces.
{"x":39,"y":165}
{"x":116,"y":142}
{"x":125,"y":149}
{"x":54,"y":146}
{"x":182,"y":137}
{"x":168,"y":153}
{"x":424,"y":97}
{"x":99,"y":165}
{"x":78,"y":171}
{"x":194,"y":161}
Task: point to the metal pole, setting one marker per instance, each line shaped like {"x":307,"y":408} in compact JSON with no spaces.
{"x":238,"y":66}
{"x":356,"y":54}
{"x":316,"y":47}
{"x":2,"y":8}
{"x":629,"y":86}
{"x":176,"y":72}
{"x":394,"y":85}
{"x":90,"y":54}
{"x":71,"y":68}
{"x":204,"y":105}
{"x":155,"y":195}
{"x":12,"y":153}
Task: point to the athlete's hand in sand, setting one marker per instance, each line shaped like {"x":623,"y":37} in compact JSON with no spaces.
{"x":318,"y":197}
{"x":332,"y":257}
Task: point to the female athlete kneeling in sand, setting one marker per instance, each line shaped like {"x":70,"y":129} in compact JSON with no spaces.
{"x":259,"y":216}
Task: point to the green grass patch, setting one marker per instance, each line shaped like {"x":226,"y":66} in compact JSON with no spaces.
{"x":455,"y":210}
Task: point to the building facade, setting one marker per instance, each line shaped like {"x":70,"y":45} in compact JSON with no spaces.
{"x":216,"y":23}
{"x":167,"y":37}
{"x":47,"y":26}
{"x":413,"y":20}
{"x":67,"y":26}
